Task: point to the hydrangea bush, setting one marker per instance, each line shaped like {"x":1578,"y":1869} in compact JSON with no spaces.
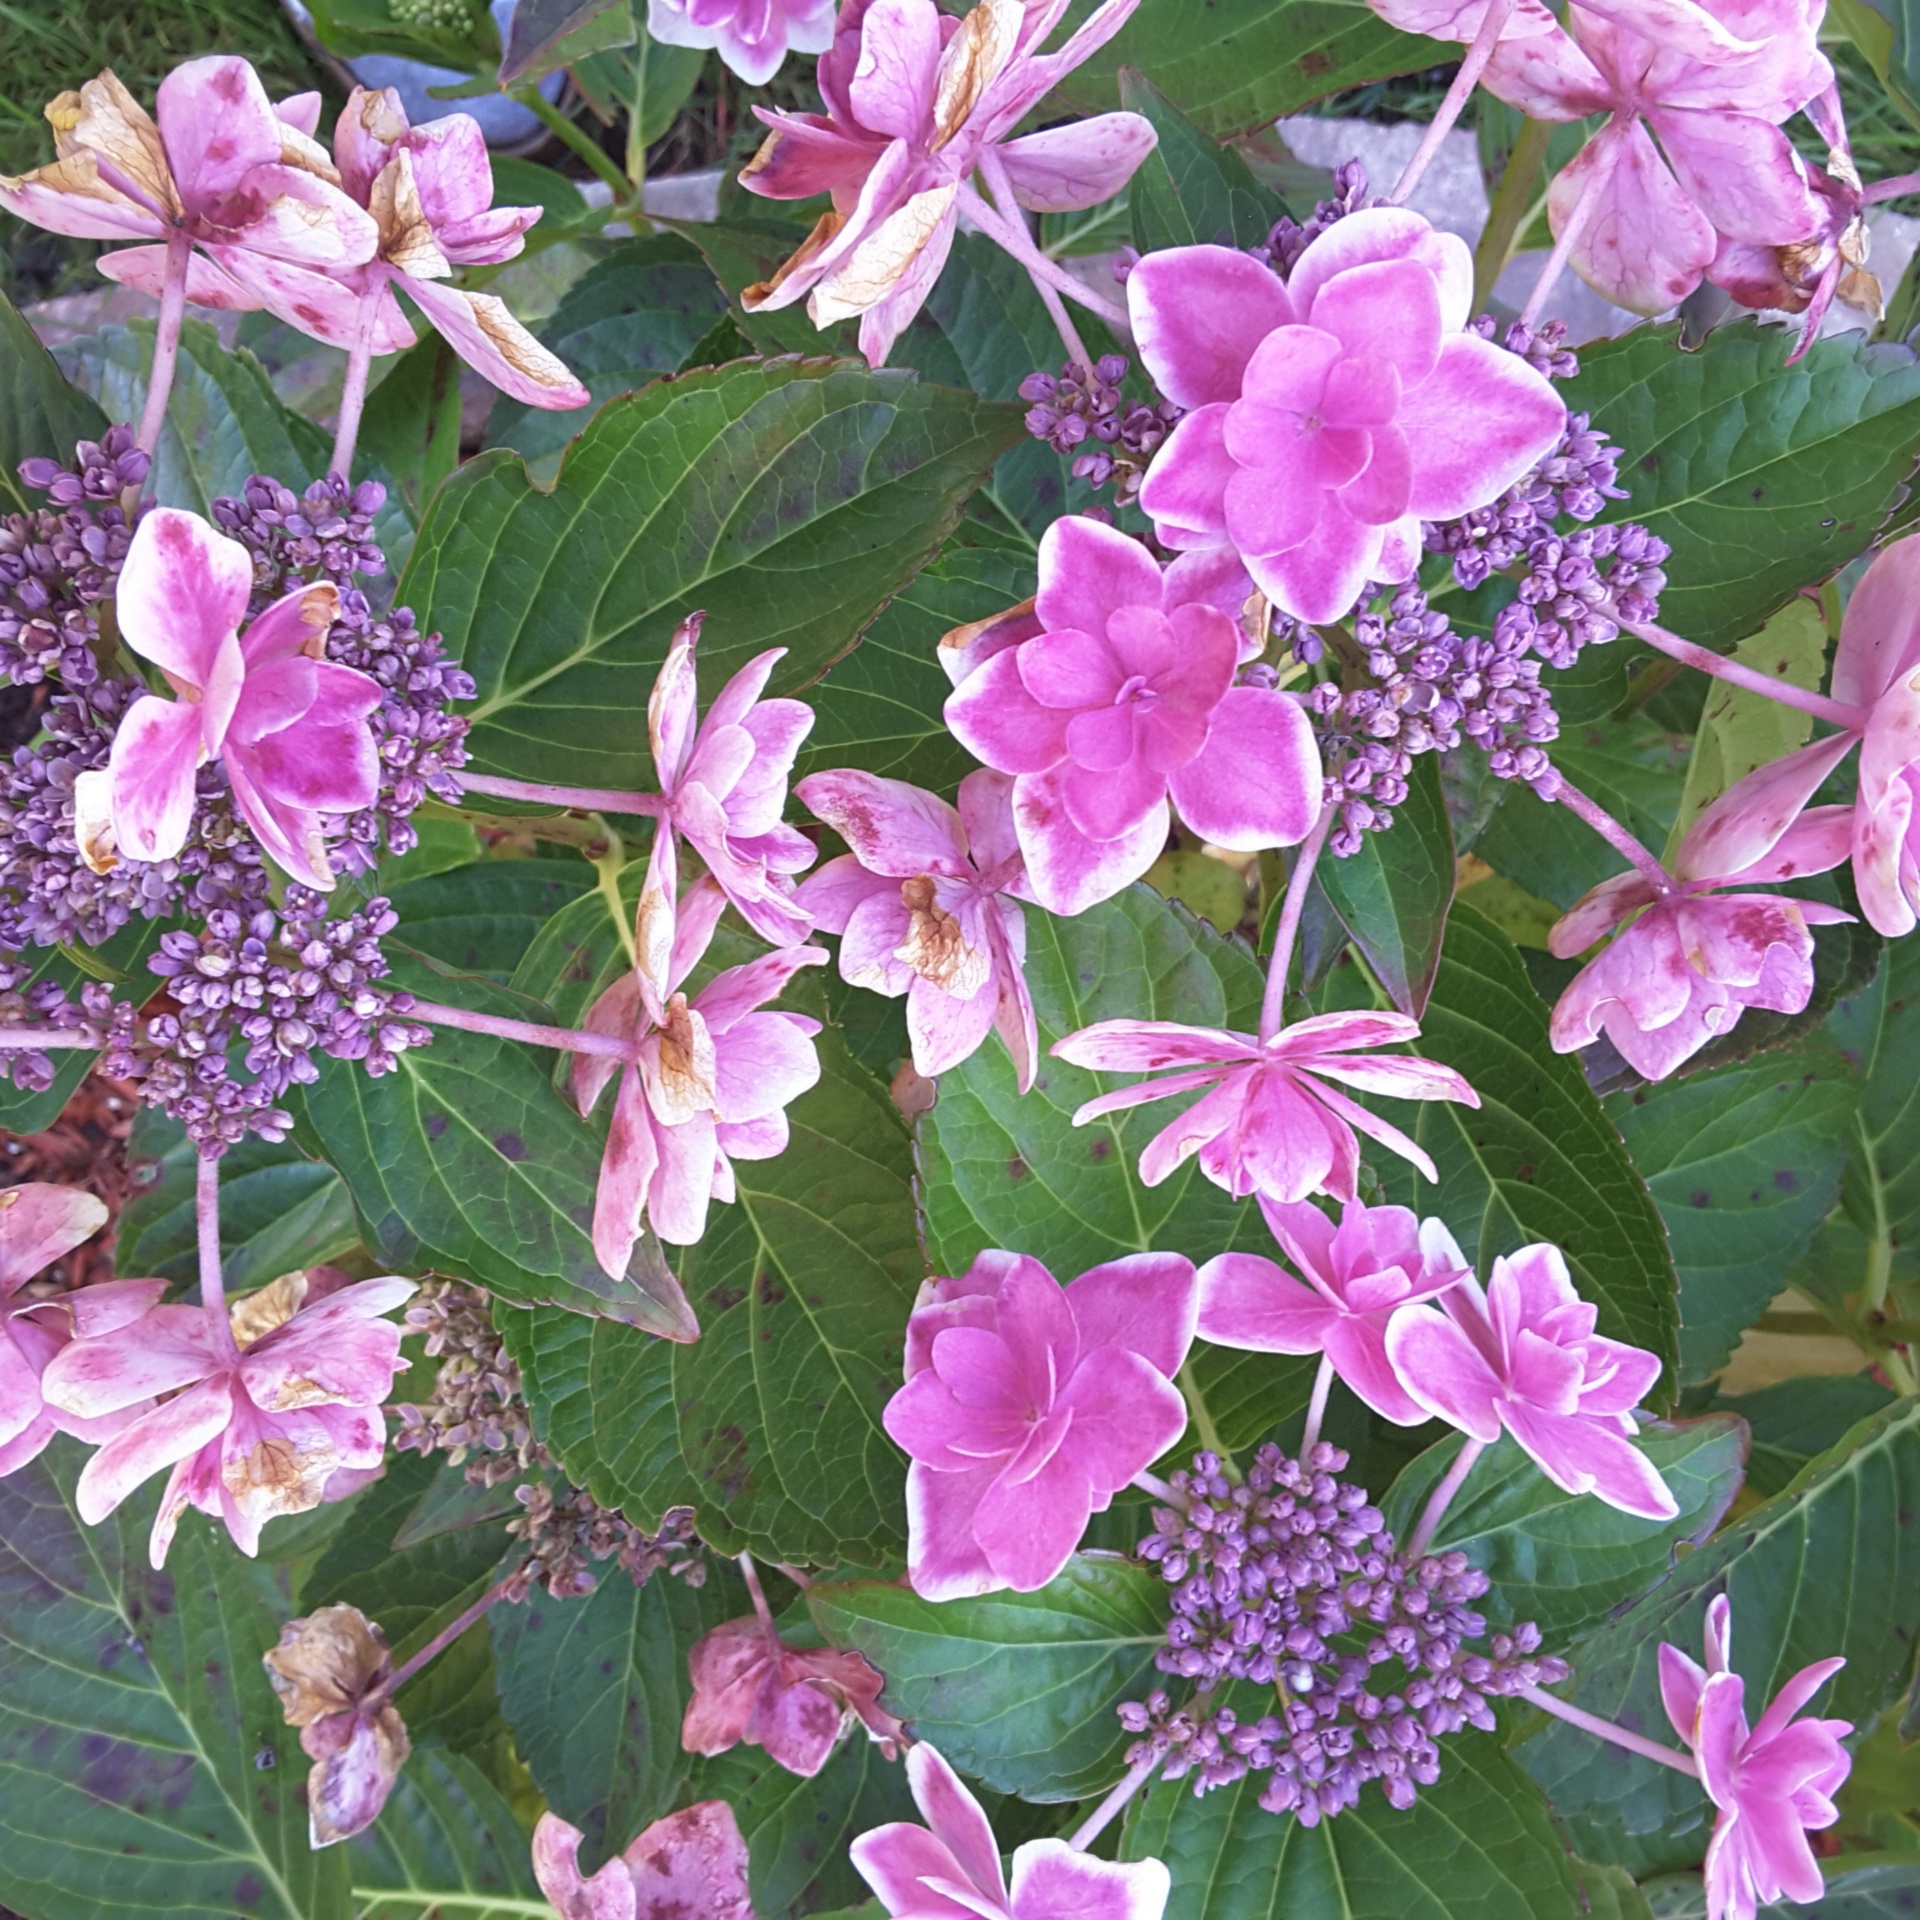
{"x":1064,"y":1069}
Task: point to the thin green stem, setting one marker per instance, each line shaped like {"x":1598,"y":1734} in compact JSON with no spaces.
{"x":375,"y":1897}
{"x":1515,"y":201}
{"x":1873,"y":1291}
{"x":607,"y":877}
{"x":564,"y":130}
{"x":1202,"y":1417}
{"x":637,"y":124}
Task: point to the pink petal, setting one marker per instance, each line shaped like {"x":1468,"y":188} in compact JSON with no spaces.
{"x":944,"y":1560}
{"x":1055,"y":1881}
{"x":1185,"y":491}
{"x":1146,"y":1303}
{"x":892,"y":87}
{"x":1144,"y":1046}
{"x":1743,"y":173}
{"x":1256,"y":783}
{"x":1676,"y":26}
{"x":691,"y":1865}
{"x":38,"y":1223}
{"x":1721,"y":1733}
{"x":111,"y":216}
{"x":606,"y":1895}
{"x":1062,"y":169}
{"x":805,"y":155}
{"x":1586,"y":1456}
{"x":893,"y":828}
{"x":182,"y":594}
{"x":1680,"y":1683}
{"x":208,"y":283}
{"x":1596,"y":914}
{"x":1387,"y":233}
{"x":956,"y":1820}
{"x":1645,"y":245}
{"x":291,"y":835}
{"x":1548,"y":78}
{"x":944,"y":1030}
{"x":1795,"y":1694}
{"x":1882,"y":866}
{"x":1880,"y":630}
{"x":1126,"y":1413}
{"x":217,"y":124}
{"x":1476,"y":426}
{"x":683,"y":1182}
{"x":1067,"y":870}
{"x":451,"y":169}
{"x":1089,"y":573}
{"x":1322,"y":578}
{"x":1357,"y":1347}
{"x":764,"y":1061}
{"x":160,"y":1352}
{"x":301,"y":219}
{"x":312,"y":302}
{"x":729,"y":997}
{"x":172,"y":1432}
{"x":1385,"y":313}
{"x":1443,"y":1371}
{"x":483,"y":332}
{"x":1198,"y":314}
{"x":1253,"y":1304}
{"x":1028,"y":1528}
{"x":995,"y":717}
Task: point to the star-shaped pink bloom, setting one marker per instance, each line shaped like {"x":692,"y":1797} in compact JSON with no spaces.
{"x":1124,"y":700}
{"x":1354,"y":1277}
{"x":287,"y":724}
{"x":1028,"y":1406}
{"x":252,"y":1423}
{"x":950,"y":1868}
{"x":752,"y":37}
{"x":1269,"y":1122}
{"x":925,"y":905}
{"x":1330,"y":414}
{"x":1523,"y":1356}
{"x":1772,"y":1784}
{"x":692,"y":1865}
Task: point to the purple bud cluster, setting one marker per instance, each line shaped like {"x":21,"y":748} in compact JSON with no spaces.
{"x":1289,"y":239}
{"x":1290,"y":1580}
{"x":1082,"y":409}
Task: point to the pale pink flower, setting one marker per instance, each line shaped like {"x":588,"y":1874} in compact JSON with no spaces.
{"x":1713,"y":80}
{"x":692,"y":1865}
{"x":271,"y":1412}
{"x":752,"y":37}
{"x":1268,"y":1122}
{"x":916,"y":100}
{"x":950,"y":1868}
{"x":287,"y":724}
{"x":1028,"y":1406}
{"x":1522,"y":1355}
{"x":709,"y":1084}
{"x":1124,"y":700}
{"x":1354,"y":1277}
{"x":1330,"y":414}
{"x":926,"y":905}
{"x":1772,"y":1784}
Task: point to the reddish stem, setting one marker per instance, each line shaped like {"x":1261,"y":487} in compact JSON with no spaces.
{"x":1479,"y":52}
{"x":166,"y":351}
{"x":353,"y":391}
{"x":1273,"y":1006}
{"x":562,"y":1039}
{"x":586,"y":799}
{"x":213,"y":1286}
{"x":1689,"y":653}
{"x":1096,"y":1823}
{"x":1442,"y":1497}
{"x":440,"y":1642}
{"x":1606,"y":1730}
{"x":1567,"y":795}
{"x":1575,"y":226}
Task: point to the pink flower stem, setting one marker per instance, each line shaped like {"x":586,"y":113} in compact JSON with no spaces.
{"x":1576,"y":225}
{"x":564,"y":1039}
{"x":1273,"y":1007}
{"x":440,"y":1642}
{"x":49,"y":1039}
{"x":1442,"y":1497}
{"x":1317,"y":1406}
{"x":1690,"y":653}
{"x":1616,"y":836}
{"x":751,"y":1573}
{"x":166,"y":347}
{"x":1897,"y":188}
{"x":213,"y":1286}
{"x":1013,"y":236}
{"x":1097,"y":1822}
{"x":587,"y":799}
{"x":353,"y":391}
{"x":1464,"y":82}
{"x":1606,"y":1730}
{"x":1153,"y":1484}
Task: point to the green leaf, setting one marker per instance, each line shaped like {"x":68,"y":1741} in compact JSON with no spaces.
{"x":745,"y":249}
{"x":1016,"y":1689}
{"x":545,"y":35}
{"x":1763,"y":478}
{"x":482,"y":918}
{"x":134,"y":1714}
{"x":350,"y":28}
{"x":1830,"y":1566}
{"x":1563,"y":1560}
{"x":1885,"y":1890}
{"x":789,"y":502}
{"x":1206,"y":887}
{"x":1880,"y":1028}
{"x":41,"y":415}
{"x":1190,"y":190}
{"x":1477,"y":1845}
{"x":412,"y":423}
{"x":1744,"y":1163}
{"x":1797,"y":1420}
{"x":524,"y":183}
{"x":439,"y":845}
{"x":444,"y":1843}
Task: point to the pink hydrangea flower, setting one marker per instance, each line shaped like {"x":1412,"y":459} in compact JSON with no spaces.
{"x":709,"y":1083}
{"x":270,"y":1412}
{"x":1772,"y":1784}
{"x":926,"y":905}
{"x":1522,"y":1355}
{"x":915,"y":101}
{"x":1354,"y":1277}
{"x":288,"y":725}
{"x":1269,"y":1122}
{"x":1328,"y":415}
{"x":950,"y":1868}
{"x":1713,"y":79}
{"x":1124,"y":700}
{"x":752,"y":37}
{"x":1028,"y":1406}
{"x":692,"y":1865}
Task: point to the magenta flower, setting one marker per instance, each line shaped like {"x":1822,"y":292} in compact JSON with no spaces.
{"x":1028,"y":1406}
{"x":950,"y":1868}
{"x":752,"y":37}
{"x":709,"y":1083}
{"x":1772,"y":1784}
{"x":925,"y":905}
{"x":287,"y":724}
{"x":272,"y":1413}
{"x":692,"y":1865}
{"x":1124,"y":699}
{"x":1330,"y":414}
{"x":1356,"y":1276}
{"x":1523,"y":1355}
{"x":1269,"y":1123}
{"x":917,"y":100}
{"x":1713,"y":79}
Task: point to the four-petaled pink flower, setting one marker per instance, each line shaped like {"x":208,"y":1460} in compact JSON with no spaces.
{"x":709,"y":1083}
{"x":1713,"y":79}
{"x":1123,"y":699}
{"x":1772,"y":1784}
{"x":917,"y":100}
{"x":1269,"y":1123}
{"x":950,"y":1868}
{"x":288,"y":725}
{"x":692,"y":1865}
{"x":1330,"y":414}
{"x":1523,"y":1355}
{"x":752,"y":37}
{"x":925,"y":905}
{"x":1028,"y":1406}
{"x":1356,"y":1276}
{"x":272,"y":1411}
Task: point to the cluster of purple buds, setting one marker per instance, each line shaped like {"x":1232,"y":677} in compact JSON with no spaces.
{"x":1083,"y":412}
{"x":1289,"y":239}
{"x":1290,"y":1580}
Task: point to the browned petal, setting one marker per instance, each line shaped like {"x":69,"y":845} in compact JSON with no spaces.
{"x":93,"y":820}
{"x":319,"y":609}
{"x":935,"y":948}
{"x":517,"y":346}
{"x":327,"y":1663}
{"x":256,"y":1314}
{"x":809,"y":249}
{"x":876,"y":265}
{"x":974,"y":59}
{"x":406,"y":235}
{"x":347,"y":1787}
{"x":1862,"y":291}
{"x":958,"y":639}
{"x":104,"y":118}
{"x":688,"y":1068}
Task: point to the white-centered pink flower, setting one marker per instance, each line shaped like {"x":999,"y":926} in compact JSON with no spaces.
{"x":1521,"y":1355}
{"x":950,"y":1868}
{"x":1268,"y":1121}
{"x":1331,"y":413}
{"x":1770,"y":1784}
{"x":752,"y":37}
{"x":926,"y":905}
{"x":691,"y":1865}
{"x":1353,"y":1278}
{"x":1028,"y":1406}
{"x":272,"y":1413}
{"x":288,"y":726}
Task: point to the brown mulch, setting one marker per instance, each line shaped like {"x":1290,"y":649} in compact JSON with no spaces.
{"x":86,"y":1147}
